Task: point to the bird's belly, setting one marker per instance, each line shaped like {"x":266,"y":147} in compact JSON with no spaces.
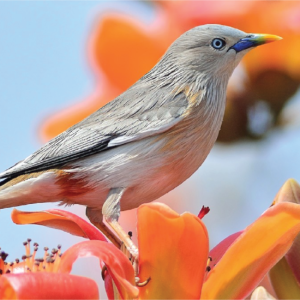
{"x":148,"y":169}
{"x":152,"y":186}
{"x":161,"y":180}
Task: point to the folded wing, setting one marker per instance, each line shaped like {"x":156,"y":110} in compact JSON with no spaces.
{"x":141,"y":111}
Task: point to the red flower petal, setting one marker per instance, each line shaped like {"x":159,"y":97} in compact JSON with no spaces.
{"x":59,"y":219}
{"x":109,"y":286}
{"x":118,"y":265}
{"x":47,"y":286}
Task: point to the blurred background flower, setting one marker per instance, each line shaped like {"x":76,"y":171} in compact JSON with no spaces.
{"x":60,"y":61}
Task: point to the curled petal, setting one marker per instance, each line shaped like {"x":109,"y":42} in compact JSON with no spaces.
{"x":58,"y":219}
{"x":47,"y":286}
{"x":117,"y":264}
{"x":254,"y":253}
{"x":173,"y":253}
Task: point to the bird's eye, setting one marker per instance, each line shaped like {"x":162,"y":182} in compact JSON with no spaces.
{"x":218,"y":44}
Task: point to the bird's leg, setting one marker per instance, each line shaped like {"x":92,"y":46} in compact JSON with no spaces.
{"x":111,"y":213}
{"x":96,"y":218}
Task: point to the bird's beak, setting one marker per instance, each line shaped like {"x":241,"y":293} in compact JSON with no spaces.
{"x":254,"y":40}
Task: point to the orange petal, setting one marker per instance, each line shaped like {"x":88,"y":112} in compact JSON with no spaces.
{"x":290,"y":192}
{"x":283,"y":281}
{"x":118,"y":265}
{"x":126,"y":49}
{"x":58,"y":219}
{"x":47,"y":286}
{"x":217,"y":252}
{"x":252,"y":255}
{"x":173,"y":253}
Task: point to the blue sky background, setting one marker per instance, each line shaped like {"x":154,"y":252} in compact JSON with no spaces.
{"x":43,"y":68}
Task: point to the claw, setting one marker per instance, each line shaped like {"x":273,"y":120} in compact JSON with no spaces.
{"x":141,"y":284}
{"x":103,"y":272}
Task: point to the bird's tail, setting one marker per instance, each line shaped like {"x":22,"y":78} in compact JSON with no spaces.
{"x":27,"y":189}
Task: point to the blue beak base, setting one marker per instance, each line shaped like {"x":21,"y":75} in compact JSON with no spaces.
{"x":253,"y":40}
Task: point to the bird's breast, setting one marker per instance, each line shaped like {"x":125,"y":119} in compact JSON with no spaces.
{"x":188,"y":143}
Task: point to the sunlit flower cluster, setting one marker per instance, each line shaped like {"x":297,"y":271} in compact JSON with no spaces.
{"x":30,"y":263}
{"x":174,"y":259}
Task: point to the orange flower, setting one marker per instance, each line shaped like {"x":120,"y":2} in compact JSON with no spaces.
{"x":285,"y":275}
{"x":49,"y":277}
{"x":173,"y":252}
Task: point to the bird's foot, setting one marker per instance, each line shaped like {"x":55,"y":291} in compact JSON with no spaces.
{"x":126,"y":239}
{"x":141,"y":284}
{"x":108,"y":233}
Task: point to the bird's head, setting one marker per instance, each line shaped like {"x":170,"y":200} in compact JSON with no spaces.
{"x":214,"y":50}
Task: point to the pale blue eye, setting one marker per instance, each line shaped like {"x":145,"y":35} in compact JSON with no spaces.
{"x":218,"y":43}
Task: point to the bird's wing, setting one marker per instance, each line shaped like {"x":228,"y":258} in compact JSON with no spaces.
{"x":141,"y":111}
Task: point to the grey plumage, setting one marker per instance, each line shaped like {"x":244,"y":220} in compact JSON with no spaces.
{"x":152,"y":105}
{"x":138,"y":112}
{"x":145,"y":142}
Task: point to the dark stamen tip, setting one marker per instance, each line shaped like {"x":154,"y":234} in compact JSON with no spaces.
{"x":50,"y":260}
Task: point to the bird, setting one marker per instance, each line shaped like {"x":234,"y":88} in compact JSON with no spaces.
{"x":145,"y":142}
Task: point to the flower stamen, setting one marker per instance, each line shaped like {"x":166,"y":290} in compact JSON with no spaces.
{"x":29,"y":263}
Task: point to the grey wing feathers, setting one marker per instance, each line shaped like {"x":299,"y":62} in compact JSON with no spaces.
{"x":139,"y":112}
